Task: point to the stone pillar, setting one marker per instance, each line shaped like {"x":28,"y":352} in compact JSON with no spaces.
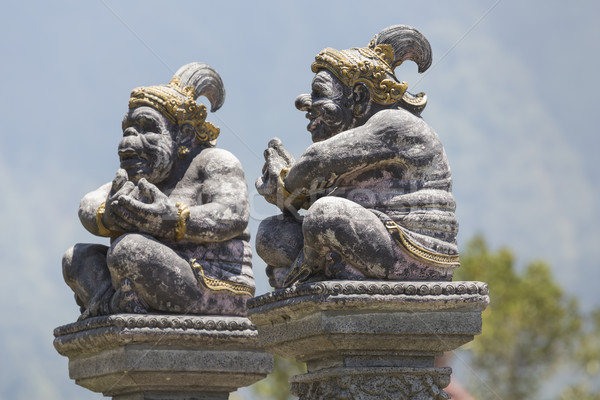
{"x":166,"y":357}
{"x":369,"y":339}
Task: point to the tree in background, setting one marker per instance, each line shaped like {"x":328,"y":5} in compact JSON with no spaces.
{"x":276,"y":385}
{"x":587,"y":359}
{"x":530,"y":326}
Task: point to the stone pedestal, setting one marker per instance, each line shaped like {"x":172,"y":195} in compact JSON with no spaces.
{"x":135,"y":357}
{"x":369,"y":339}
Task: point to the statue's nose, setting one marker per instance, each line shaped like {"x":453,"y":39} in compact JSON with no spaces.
{"x":303,"y":102}
{"x":131,"y":131}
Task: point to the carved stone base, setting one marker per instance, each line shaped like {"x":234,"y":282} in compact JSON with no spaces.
{"x":372,"y":384}
{"x":143,"y":357}
{"x":369,"y":339}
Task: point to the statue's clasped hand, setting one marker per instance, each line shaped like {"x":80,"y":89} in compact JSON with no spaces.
{"x":271,"y":185}
{"x":150,"y":211}
{"x":108,"y":222}
{"x":287,"y":200}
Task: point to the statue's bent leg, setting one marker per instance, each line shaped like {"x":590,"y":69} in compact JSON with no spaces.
{"x":162,"y":280}
{"x":278,"y":242}
{"x":86,"y":273}
{"x":335,"y":227}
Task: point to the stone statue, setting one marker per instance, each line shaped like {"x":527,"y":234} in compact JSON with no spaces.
{"x":176,"y":212}
{"x":375,"y":183}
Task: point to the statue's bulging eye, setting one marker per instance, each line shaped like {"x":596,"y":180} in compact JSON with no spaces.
{"x":146,"y":125}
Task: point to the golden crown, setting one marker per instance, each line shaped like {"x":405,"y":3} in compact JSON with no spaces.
{"x":370,"y":65}
{"x":178,"y":105}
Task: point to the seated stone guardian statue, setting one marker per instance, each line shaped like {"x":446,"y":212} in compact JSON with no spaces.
{"x":176,"y":212}
{"x":375,"y":183}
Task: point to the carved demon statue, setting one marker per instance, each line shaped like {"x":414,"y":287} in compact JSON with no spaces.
{"x":176,"y":212}
{"x":375,"y":183}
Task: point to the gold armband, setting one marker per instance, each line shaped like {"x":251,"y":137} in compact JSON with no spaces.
{"x":183,"y":213}
{"x":102,"y":230}
{"x":281,"y":186}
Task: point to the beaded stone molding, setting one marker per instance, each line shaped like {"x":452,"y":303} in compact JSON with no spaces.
{"x":183,"y":322}
{"x":388,"y":288}
{"x":103,"y":332}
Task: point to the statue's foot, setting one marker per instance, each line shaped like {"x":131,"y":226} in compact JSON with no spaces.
{"x":99,"y":304}
{"x":276,"y":276}
{"x":302,"y":272}
{"x":126,"y":300}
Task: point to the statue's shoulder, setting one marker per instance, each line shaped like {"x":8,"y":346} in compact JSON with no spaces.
{"x":216,"y":159}
{"x":396,"y":117}
{"x":401,"y":122}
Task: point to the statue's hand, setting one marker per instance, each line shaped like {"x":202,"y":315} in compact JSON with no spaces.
{"x":151,"y":212}
{"x":276,"y":159}
{"x":120,"y":186}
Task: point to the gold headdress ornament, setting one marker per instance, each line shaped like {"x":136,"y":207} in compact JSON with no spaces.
{"x":177,"y":100}
{"x":364,"y":65}
{"x":374,"y":65}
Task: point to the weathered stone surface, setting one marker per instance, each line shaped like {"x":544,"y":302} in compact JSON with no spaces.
{"x":373,"y":383}
{"x":133,"y":357}
{"x":376,"y":182}
{"x":354,"y":333}
{"x":176,"y":212}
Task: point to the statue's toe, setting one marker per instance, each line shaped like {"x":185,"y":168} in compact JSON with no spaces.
{"x":99,"y":304}
{"x":126,"y":300}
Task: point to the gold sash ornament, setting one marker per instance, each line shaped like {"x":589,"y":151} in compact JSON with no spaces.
{"x":418,"y":251}
{"x":217,"y":284}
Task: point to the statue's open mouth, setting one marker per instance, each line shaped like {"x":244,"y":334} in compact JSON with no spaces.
{"x":314,"y":124}
{"x":130,"y":158}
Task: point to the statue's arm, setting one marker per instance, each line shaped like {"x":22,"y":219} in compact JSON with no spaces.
{"x":89,"y":205}
{"x":380,"y":140}
{"x":209,"y":204}
{"x":222,"y":209}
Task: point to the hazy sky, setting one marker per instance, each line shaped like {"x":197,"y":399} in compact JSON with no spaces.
{"x":512,"y":94}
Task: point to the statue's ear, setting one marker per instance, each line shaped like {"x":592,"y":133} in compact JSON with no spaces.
{"x":186,"y":134}
{"x":186,"y":130}
{"x":360,"y":96}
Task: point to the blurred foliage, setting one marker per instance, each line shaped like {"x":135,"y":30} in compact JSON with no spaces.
{"x":587,"y":359}
{"x":580,"y":392}
{"x":530,"y":327}
{"x":276,"y":386}
{"x":588,"y":352}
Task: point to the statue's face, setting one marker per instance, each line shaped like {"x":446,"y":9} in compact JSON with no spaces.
{"x":147,"y":149}
{"x":327,"y":107}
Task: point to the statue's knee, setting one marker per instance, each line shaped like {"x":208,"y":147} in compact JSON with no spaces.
{"x":123,"y":246}
{"x":127,"y":253}
{"x":279,"y":240}
{"x":80,"y":257}
{"x":265,"y":229}
{"x":120,"y":249}
{"x":327,"y":213}
{"x":69,"y":273}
